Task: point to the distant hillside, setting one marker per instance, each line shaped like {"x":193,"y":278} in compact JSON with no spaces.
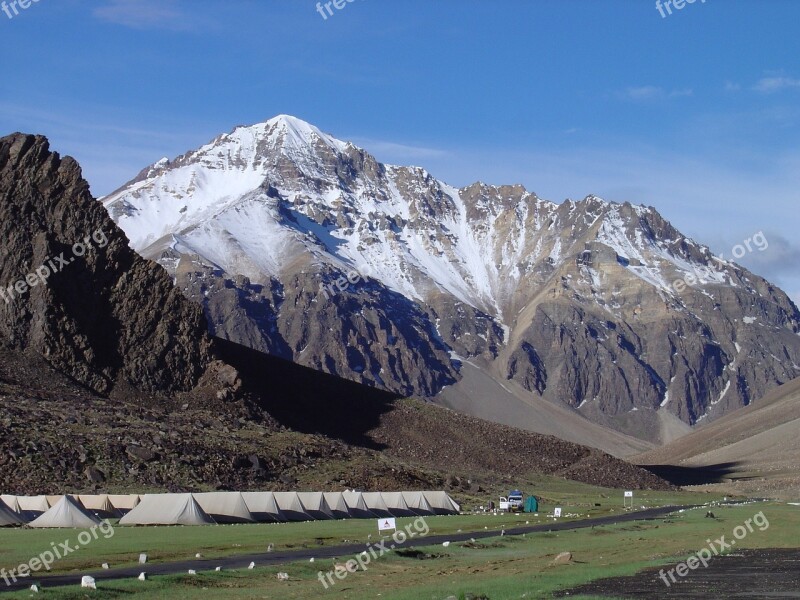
{"x":758,"y":446}
{"x":417,"y":433}
{"x":320,"y":432}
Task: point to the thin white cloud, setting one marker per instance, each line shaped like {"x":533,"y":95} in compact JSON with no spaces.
{"x":646,"y":93}
{"x":731,"y":86}
{"x":398,"y":153}
{"x":781,"y":256}
{"x":147,"y":14}
{"x":110,"y":154}
{"x":76,"y":123}
{"x":771,"y":85}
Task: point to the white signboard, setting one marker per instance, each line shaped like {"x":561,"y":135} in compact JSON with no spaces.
{"x":629,"y":494}
{"x":557,"y":512}
{"x":386,"y":524}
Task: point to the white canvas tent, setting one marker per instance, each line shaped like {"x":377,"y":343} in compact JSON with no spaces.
{"x":356,"y":505}
{"x":8,"y":517}
{"x":99,"y":505}
{"x":124,"y":503}
{"x":263,"y":507}
{"x":396,"y":504}
{"x":53,"y":500}
{"x":33,"y":506}
{"x":291,"y":507}
{"x":441,"y":503}
{"x":11,"y":502}
{"x":337,"y":504}
{"x":225,"y":507}
{"x":377,"y":505}
{"x":67,"y":513}
{"x":167,"y":509}
{"x":315,"y":505}
{"x":416,"y":501}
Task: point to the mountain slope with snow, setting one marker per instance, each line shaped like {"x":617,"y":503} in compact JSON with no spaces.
{"x":574,"y":302}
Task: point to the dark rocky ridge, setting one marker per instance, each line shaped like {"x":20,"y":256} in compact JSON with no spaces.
{"x":107,"y":318}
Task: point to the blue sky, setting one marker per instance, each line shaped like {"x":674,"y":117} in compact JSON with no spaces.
{"x":696,"y":113}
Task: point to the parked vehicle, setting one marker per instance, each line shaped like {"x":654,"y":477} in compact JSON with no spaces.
{"x":517,"y":502}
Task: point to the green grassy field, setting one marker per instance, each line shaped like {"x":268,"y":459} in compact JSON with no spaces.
{"x":177,"y":543}
{"x":499,"y":567}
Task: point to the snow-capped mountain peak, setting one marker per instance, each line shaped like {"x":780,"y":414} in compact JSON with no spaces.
{"x":295,"y":132}
{"x":249,"y":146}
{"x":416,"y":234}
{"x":540,"y":290}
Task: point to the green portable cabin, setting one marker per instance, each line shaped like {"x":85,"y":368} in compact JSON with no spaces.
{"x":531,"y":504}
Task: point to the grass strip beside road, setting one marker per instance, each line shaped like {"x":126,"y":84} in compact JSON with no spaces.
{"x":500,"y":567}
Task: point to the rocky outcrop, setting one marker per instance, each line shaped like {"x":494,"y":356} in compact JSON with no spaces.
{"x":610,"y":336}
{"x":368,"y":334}
{"x":74,"y":291}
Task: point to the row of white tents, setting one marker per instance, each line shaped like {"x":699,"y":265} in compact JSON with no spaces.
{"x":210,"y":508}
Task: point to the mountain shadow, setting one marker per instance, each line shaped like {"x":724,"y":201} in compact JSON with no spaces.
{"x":703,"y":475}
{"x":292,"y":394}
